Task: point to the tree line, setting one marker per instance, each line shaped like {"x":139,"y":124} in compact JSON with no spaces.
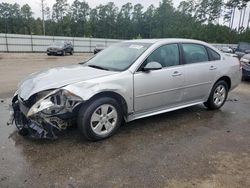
{"x":209,"y":20}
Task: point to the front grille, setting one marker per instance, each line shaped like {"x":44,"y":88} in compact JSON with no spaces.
{"x":23,"y":108}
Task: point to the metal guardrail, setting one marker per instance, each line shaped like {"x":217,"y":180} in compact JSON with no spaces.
{"x":37,"y":43}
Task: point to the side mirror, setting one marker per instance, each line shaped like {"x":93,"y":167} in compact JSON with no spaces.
{"x":152,"y":66}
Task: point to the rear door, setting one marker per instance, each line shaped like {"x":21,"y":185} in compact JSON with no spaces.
{"x":159,"y":88}
{"x":199,"y":72}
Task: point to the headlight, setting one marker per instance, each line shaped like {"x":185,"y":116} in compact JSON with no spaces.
{"x":58,"y":101}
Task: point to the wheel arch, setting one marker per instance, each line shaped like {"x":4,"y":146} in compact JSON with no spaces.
{"x":115,"y":96}
{"x":227,"y":80}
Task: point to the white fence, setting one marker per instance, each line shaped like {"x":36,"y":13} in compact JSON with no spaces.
{"x":36,"y":43}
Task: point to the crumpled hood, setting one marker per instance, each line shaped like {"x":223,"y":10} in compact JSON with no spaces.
{"x":58,"y":77}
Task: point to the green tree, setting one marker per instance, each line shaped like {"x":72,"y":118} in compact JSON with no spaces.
{"x":79,"y":12}
{"x":60,"y":9}
{"x":137,"y":20}
{"x":149,"y":22}
{"x":124,"y":23}
{"x":208,"y":10}
{"x":27,"y":19}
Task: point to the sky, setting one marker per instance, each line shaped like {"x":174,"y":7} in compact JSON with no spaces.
{"x":35,"y":5}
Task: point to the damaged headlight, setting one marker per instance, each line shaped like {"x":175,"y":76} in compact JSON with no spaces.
{"x":58,"y":101}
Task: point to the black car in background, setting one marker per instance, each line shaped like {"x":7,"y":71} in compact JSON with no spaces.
{"x":60,"y":48}
{"x":242,"y":49}
{"x":245,"y":63}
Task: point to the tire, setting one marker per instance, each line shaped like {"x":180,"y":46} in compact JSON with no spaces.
{"x":63,"y":53}
{"x":48,"y":54}
{"x":71,"y":52}
{"x":95,"y":110}
{"x":213,"y":102}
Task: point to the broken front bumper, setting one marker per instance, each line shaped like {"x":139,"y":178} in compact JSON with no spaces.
{"x":39,"y":125}
{"x":29,"y":127}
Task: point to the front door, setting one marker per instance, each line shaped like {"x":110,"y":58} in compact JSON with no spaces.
{"x":159,"y":88}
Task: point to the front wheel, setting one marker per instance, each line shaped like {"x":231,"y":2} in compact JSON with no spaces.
{"x":63,"y":53}
{"x":218,"y":96}
{"x":100,"y":118}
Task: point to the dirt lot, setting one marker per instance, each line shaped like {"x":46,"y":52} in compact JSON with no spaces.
{"x":15,"y":67}
{"x":192,"y":147}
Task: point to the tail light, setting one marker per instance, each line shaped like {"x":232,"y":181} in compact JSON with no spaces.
{"x":243,"y":62}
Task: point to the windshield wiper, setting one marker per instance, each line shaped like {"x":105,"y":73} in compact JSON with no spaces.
{"x":97,"y":67}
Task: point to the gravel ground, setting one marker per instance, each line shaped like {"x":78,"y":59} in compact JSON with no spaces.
{"x":192,"y":147}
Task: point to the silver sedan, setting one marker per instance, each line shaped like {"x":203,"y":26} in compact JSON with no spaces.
{"x":127,"y":81}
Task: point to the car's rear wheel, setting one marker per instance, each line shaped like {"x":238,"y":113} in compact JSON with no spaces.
{"x":71,"y":52}
{"x":63,"y":53}
{"x":218,"y":95}
{"x":100,"y":119}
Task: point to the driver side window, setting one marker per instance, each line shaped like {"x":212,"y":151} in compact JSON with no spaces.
{"x":167,"y":55}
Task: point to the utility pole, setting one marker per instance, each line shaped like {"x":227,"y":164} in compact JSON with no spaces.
{"x":43,"y":12}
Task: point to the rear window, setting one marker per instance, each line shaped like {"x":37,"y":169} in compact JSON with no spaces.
{"x":194,"y":53}
{"x":213,"y":55}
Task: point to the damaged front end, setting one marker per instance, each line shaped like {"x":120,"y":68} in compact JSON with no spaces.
{"x":45,"y":113}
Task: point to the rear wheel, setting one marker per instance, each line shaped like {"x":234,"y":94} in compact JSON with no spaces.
{"x":63,"y":53}
{"x":218,"y":95}
{"x":71,"y":52}
{"x":100,"y":118}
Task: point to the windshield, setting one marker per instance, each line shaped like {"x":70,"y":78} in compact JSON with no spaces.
{"x":118,"y":57}
{"x":58,"y":43}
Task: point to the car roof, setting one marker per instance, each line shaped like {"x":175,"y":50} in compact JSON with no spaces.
{"x":166,"y":40}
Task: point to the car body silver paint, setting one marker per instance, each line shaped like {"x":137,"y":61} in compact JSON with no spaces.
{"x":57,"y":78}
{"x":141,"y":91}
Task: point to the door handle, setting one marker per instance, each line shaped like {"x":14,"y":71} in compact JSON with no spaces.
{"x":212,"y":68}
{"x":176,"y":73}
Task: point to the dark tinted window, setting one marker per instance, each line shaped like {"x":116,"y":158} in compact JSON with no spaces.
{"x":194,"y":53}
{"x":243,"y":46}
{"x":213,"y":55}
{"x":167,"y":55}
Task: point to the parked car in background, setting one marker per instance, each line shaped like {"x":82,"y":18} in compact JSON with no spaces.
{"x":60,"y":48}
{"x":227,"y":50}
{"x":242,"y":49}
{"x":245,"y":62}
{"x":98,"y":48}
{"x":127,"y":81}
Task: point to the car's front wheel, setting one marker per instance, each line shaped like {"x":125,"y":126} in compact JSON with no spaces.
{"x":100,"y":119}
{"x":218,"y":95}
{"x":63,"y":53}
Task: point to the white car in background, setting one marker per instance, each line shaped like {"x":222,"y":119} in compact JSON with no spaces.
{"x":227,"y":50}
{"x":127,"y":81}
